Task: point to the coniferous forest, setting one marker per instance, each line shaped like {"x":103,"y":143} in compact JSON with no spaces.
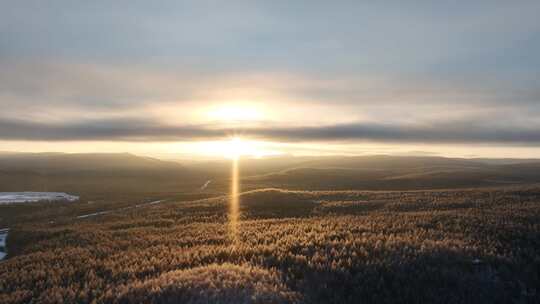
{"x":443,"y":246}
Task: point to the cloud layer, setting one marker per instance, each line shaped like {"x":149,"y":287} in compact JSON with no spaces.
{"x":126,"y":130}
{"x":419,"y":72}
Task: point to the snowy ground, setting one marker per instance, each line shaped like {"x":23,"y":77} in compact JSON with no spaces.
{"x":3,"y":236}
{"x":26,"y":197}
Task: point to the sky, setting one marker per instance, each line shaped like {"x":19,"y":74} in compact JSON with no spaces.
{"x":182,"y":78}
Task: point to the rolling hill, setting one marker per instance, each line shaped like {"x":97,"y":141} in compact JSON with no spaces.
{"x":398,"y":173}
{"x":82,"y":173}
{"x":125,"y":172}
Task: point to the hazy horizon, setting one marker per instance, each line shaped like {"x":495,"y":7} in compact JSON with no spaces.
{"x":179,"y":157}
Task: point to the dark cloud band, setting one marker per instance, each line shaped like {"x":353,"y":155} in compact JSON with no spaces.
{"x":139,"y":130}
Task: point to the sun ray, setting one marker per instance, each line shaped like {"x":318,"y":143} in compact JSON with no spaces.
{"x":234,"y":206}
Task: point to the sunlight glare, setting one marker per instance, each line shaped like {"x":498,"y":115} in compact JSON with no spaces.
{"x":234,"y":207}
{"x":236,"y":147}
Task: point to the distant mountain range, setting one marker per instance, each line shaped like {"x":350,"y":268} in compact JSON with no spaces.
{"x":64,"y":162}
{"x":81,"y":173}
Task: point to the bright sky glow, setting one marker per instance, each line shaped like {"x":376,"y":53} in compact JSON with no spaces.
{"x":235,"y":147}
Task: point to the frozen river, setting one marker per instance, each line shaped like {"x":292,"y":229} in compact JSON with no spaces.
{"x":27,"y":197}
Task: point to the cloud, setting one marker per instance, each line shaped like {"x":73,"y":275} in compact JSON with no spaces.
{"x":91,"y":86}
{"x":460,"y":132}
{"x":59,"y":88}
{"x":122,"y":130}
{"x":127,"y":71}
{"x":449,"y":132}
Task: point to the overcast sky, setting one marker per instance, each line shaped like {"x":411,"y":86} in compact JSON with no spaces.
{"x":353,"y":74}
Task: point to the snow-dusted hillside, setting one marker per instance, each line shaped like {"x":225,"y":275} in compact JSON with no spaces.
{"x":26,"y":197}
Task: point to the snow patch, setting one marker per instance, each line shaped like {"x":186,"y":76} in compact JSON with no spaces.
{"x":92,"y":214}
{"x":205,"y":185}
{"x":30,"y":197}
{"x":3,"y":237}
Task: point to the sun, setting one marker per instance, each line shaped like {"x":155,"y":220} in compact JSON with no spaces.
{"x":236,"y":147}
